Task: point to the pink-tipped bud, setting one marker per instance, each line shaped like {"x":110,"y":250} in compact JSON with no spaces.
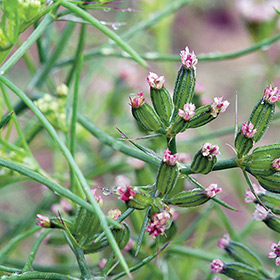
{"x":260,"y":213}
{"x":157,"y":225}
{"x":188,"y":112}
{"x":218,"y":106}
{"x":217,"y":266}
{"x":114,"y":213}
{"x":276,"y":252}
{"x":276,"y":164}
{"x":250,"y":197}
{"x":97,"y":197}
{"x":209,"y":150}
{"x":224,"y":241}
{"x":212,"y":190}
{"x":248,"y":130}
{"x":188,"y":58}
{"x":271,"y":95}
{"x":169,"y":158}
{"x":43,"y":221}
{"x":155,"y":81}
{"x":137,"y":101}
{"x":126,"y":193}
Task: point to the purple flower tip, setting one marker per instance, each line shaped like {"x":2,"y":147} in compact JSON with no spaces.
{"x":260,"y":213}
{"x":137,"y":101}
{"x":210,"y":151}
{"x":155,"y":81}
{"x":224,"y":241}
{"x":271,"y":95}
{"x":217,"y":266}
{"x":212,"y":190}
{"x":188,"y":58}
{"x":188,"y":112}
{"x":126,"y":193}
{"x":275,"y":253}
{"x":169,"y":158}
{"x":43,"y":221}
{"x":218,"y":106}
{"x":157,"y":225}
{"x":276,"y":164}
{"x":248,"y":130}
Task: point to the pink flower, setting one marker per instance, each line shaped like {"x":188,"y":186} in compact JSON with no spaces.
{"x":157,"y":225}
{"x":247,"y":130}
{"x":188,"y":59}
{"x":276,"y":164}
{"x":212,"y":190}
{"x":97,"y":197}
{"x":102,"y":263}
{"x":217,"y":266}
{"x":169,"y":158}
{"x":209,"y":150}
{"x":271,"y":95}
{"x":224,"y":241}
{"x":260,"y":213}
{"x":137,"y":101}
{"x":218,"y":106}
{"x":188,"y":112}
{"x":249,"y":196}
{"x":276,"y":252}
{"x":43,"y":221}
{"x":114,"y":213}
{"x":155,"y":81}
{"x":126,"y":193}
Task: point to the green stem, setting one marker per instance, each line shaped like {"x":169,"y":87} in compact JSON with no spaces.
{"x":171,"y":144}
{"x":9,"y":269}
{"x":9,"y":247}
{"x":41,"y":275}
{"x":34,"y":250}
{"x":86,"y":16}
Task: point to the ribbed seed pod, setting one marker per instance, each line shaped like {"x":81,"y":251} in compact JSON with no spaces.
{"x":188,"y":198}
{"x":184,"y":88}
{"x":97,"y":246}
{"x":201,"y":164}
{"x":162,"y":103}
{"x":270,"y":183}
{"x":166,"y":178}
{"x":202,"y":116}
{"x":272,"y":222}
{"x":271,"y":201}
{"x":122,"y":235}
{"x":261,"y":117}
{"x":140,"y":201}
{"x":243,"y":145}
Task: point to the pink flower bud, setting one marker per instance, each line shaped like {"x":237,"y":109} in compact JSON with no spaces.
{"x":43,"y":221}
{"x":249,"y":196}
{"x":276,"y":164}
{"x":155,"y":81}
{"x":188,"y":59}
{"x":217,"y":266}
{"x":114,"y":213}
{"x":276,"y":252}
{"x":97,"y":197}
{"x":224,"y":241}
{"x":260,"y":213}
{"x":271,"y":95}
{"x":218,"y":106}
{"x":212,"y":190}
{"x":247,"y":130}
{"x":209,"y":150}
{"x":188,"y":112}
{"x":126,"y":193}
{"x":169,"y":158}
{"x":137,"y":101}
{"x":157,"y":225}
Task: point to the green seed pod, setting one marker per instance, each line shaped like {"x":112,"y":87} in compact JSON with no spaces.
{"x":243,"y":145}
{"x":184,"y":89}
{"x":166,"y":178}
{"x":272,"y":222}
{"x":145,"y":114}
{"x":271,"y":201}
{"x":205,"y":159}
{"x":188,"y":198}
{"x":260,"y":162}
{"x":162,"y":103}
{"x":86,"y":226}
{"x":270,"y":183}
{"x":240,"y":271}
{"x":97,"y":246}
{"x":261,"y":117}
{"x":140,"y":201}
{"x":243,"y":254}
{"x":202,"y":116}
{"x":122,"y":235}
{"x":6,"y":119}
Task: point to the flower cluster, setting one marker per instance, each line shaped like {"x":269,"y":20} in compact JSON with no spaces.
{"x":276,"y":164}
{"x":276,"y":252}
{"x":169,"y":158}
{"x":217,"y":266}
{"x":43,"y":221}
{"x":208,"y":150}
{"x":155,"y":81}
{"x":224,"y":241}
{"x":212,"y":190}
{"x":157,"y":225}
{"x":188,"y":112}
{"x":250,"y":197}
{"x":188,"y":58}
{"x":260,"y":213}
{"x":126,"y":193}
{"x":271,"y":95}
{"x":137,"y":101}
{"x":248,"y":130}
{"x":218,"y":106}
{"x":114,"y":213}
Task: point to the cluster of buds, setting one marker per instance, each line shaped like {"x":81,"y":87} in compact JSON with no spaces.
{"x":158,"y":223}
{"x":248,"y":130}
{"x":218,"y":106}
{"x":54,"y":109}
{"x":271,"y":95}
{"x":188,"y":59}
{"x":188,"y":111}
{"x":250,"y":197}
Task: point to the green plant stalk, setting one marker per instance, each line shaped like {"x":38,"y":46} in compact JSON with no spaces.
{"x":12,"y":147}
{"x":9,"y":269}
{"x":41,"y":275}
{"x":73,"y":164}
{"x":13,"y":242}
{"x":26,"y":45}
{"x":151,"y":56}
{"x":75,"y":187}
{"x":43,"y":72}
{"x":86,"y":16}
{"x":34,"y":250}
{"x":171,"y":144}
